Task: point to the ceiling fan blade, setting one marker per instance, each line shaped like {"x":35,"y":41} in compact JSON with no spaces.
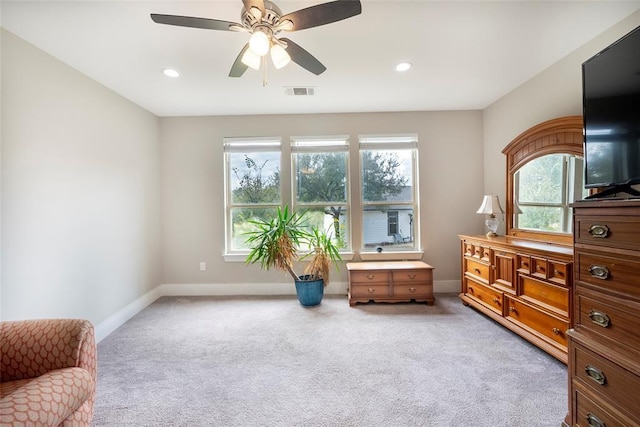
{"x":189,"y":21}
{"x":304,"y":58}
{"x":258,"y":4}
{"x":322,"y":14}
{"x":238,"y":68}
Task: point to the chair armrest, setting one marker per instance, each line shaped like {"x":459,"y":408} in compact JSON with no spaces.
{"x":30,"y":348}
{"x":48,"y":399}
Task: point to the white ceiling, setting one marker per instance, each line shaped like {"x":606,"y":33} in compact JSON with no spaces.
{"x":465,"y":54}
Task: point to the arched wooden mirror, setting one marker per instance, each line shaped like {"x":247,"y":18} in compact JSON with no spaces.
{"x":544,"y":175}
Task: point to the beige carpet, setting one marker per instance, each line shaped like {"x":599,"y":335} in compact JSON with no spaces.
{"x":207,"y":361}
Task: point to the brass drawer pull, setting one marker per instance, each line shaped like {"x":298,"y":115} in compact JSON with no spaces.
{"x":412,"y":290}
{"x":599,"y":318}
{"x":513,"y":310}
{"x":470,"y":289}
{"x":495,"y":300}
{"x":594,"y":421}
{"x":370,"y":276}
{"x":555,"y":331}
{"x":371,"y":290}
{"x":599,"y":271}
{"x":600,"y":231}
{"x":413,"y":276}
{"x":476,"y":270}
{"x":595,"y":374}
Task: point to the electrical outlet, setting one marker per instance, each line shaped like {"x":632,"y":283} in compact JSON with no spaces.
{"x":203,"y":266}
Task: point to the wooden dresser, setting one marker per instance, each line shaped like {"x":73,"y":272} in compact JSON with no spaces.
{"x":524,"y":285}
{"x":604,"y":345}
{"x":391,"y":281}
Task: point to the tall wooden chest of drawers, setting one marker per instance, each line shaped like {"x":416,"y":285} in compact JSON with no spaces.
{"x":604,"y":344}
{"x":524,"y":285}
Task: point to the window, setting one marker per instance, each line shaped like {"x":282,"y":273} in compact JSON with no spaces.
{"x":389,"y":188}
{"x":320,"y":186}
{"x":252,"y":185}
{"x":544,"y":188}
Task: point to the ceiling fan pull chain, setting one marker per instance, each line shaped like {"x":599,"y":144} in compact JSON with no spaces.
{"x":264,"y":71}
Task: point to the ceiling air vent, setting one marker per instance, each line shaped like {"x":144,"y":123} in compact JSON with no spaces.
{"x":299,"y":91}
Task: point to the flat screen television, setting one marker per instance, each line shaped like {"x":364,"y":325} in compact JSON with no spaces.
{"x":611,"y":108}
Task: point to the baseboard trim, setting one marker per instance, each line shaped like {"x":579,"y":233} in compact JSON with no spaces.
{"x":119,"y":318}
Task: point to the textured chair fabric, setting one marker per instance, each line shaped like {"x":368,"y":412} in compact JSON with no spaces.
{"x":47,"y":372}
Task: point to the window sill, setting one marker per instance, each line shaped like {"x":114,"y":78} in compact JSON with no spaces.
{"x":391,"y":256}
{"x":346,"y":256}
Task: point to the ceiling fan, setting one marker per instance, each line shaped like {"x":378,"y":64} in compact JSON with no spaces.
{"x":264,"y":21}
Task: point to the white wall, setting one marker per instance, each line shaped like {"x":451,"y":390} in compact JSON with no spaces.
{"x":555,"y":92}
{"x":80,"y":192}
{"x":450,"y":159}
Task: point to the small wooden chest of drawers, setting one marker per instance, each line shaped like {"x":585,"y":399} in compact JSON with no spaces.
{"x":392,"y":281}
{"x":604,"y":367}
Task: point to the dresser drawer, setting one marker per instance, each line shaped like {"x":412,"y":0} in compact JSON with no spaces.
{"x":412,"y":276}
{"x":477,"y":269}
{"x":558,"y":272}
{"x":523,"y":263}
{"x":369,"y":276}
{"x":610,"y":231}
{"x":411,"y":291}
{"x":607,"y":379}
{"x":485,"y":295}
{"x":552,"y":327}
{"x":590,"y":412}
{"x":608,"y":317}
{"x":369,"y":291}
{"x":555,"y":298}
{"x":614,"y":273}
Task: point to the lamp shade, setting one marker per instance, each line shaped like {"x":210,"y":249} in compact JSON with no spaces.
{"x":259,"y":43}
{"x":490,"y":206}
{"x":250,"y":59}
{"x":279,"y":56}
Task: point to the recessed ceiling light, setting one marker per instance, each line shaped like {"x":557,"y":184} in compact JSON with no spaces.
{"x":403,"y":66}
{"x":170,"y":73}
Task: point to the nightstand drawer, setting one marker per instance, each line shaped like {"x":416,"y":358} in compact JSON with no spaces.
{"x":411,"y":276}
{"x":411,"y":291}
{"x":368,"y":276}
{"x":369,"y":291}
{"x":552,"y":327}
{"x":606,"y":378}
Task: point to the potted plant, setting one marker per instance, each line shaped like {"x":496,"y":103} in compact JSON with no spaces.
{"x":277,"y":242}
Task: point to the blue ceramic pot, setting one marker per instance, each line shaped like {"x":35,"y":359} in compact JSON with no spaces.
{"x":310,"y":292}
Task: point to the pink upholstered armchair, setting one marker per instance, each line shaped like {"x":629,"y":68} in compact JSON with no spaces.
{"x":47,"y":372}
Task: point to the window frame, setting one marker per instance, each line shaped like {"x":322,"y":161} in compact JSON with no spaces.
{"x":390,"y":142}
{"x":321,"y":145}
{"x":245,"y":145}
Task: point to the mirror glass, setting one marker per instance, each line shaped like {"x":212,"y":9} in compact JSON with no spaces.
{"x":543,"y":189}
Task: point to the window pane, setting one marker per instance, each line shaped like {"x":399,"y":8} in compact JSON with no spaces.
{"x":321,"y":177}
{"x":541,"y":180}
{"x":331,"y":219}
{"x":377,"y":230}
{"x":541,"y":218}
{"x":254,"y":177}
{"x":240,"y":223}
{"x":387,"y":175}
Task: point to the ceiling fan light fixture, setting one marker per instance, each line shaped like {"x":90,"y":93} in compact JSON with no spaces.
{"x":279,"y":56}
{"x":259,"y":43}
{"x":251,"y":60}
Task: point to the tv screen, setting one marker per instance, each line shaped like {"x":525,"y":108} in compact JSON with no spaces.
{"x":611,"y":103}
